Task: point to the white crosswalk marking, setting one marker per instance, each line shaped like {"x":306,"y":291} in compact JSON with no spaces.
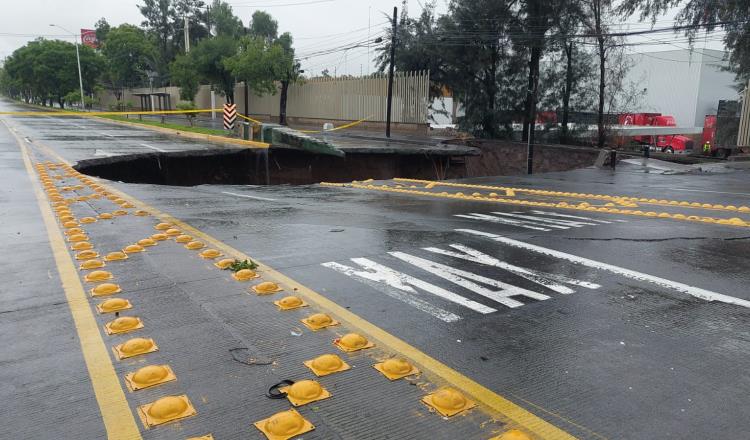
{"x":557,"y":214}
{"x":466,"y":280}
{"x":661,"y":282}
{"x":384,"y":275}
{"x":551,"y":281}
{"x":506,"y":221}
{"x":536,"y":220}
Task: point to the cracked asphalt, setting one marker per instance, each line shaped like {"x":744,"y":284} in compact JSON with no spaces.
{"x":628,"y":327}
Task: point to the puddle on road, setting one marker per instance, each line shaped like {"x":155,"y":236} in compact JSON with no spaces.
{"x":262,"y":167}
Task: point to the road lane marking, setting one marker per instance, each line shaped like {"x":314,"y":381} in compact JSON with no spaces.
{"x":154,"y":148}
{"x":551,"y":281}
{"x":469,"y":281}
{"x":492,"y":402}
{"x":543,"y":220}
{"x":248,"y":196}
{"x":557,"y":214}
{"x":707,"y":191}
{"x":639,"y":276}
{"x":504,"y":221}
{"x":116,"y":415}
{"x":395,"y":288}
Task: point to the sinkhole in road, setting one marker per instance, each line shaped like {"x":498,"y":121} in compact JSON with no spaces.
{"x":263,"y":167}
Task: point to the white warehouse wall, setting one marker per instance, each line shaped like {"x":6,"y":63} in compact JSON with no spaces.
{"x":687,"y":85}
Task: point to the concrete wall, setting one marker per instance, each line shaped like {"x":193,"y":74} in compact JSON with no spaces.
{"x":504,"y":158}
{"x":687,"y":85}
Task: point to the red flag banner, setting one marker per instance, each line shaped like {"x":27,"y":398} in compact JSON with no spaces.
{"x":88,"y":37}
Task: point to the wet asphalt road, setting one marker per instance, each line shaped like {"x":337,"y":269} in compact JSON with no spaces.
{"x":628,"y":359}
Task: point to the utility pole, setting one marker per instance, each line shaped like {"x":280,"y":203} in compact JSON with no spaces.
{"x":390,"y":76}
{"x":78,"y":59}
{"x":187,"y":34}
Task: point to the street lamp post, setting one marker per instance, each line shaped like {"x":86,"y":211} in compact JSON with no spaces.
{"x":78,"y":59}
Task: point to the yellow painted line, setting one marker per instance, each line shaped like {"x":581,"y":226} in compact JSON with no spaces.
{"x":349,"y":125}
{"x":733,"y":222}
{"x":616,"y":199}
{"x":192,"y":135}
{"x":493,"y":403}
{"x":116,"y":415}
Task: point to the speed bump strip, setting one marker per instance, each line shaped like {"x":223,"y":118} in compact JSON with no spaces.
{"x":149,"y":376}
{"x":495,"y":404}
{"x":116,"y":416}
{"x":284,"y":425}
{"x":165,"y":410}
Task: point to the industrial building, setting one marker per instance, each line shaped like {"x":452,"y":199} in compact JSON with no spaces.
{"x":683,"y":83}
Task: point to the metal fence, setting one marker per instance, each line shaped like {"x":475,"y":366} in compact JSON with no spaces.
{"x":743,"y":137}
{"x":349,"y":99}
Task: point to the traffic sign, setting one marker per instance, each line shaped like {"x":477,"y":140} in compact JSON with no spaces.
{"x":230,"y":115}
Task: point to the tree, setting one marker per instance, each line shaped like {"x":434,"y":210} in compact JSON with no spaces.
{"x":223,"y":21}
{"x":184,"y":75}
{"x":207,"y":59}
{"x":289,"y":72}
{"x":45,"y":71}
{"x":258,"y":63}
{"x":730,"y":16}
{"x":595,"y":21}
{"x":102,"y":29}
{"x":262,"y":25}
{"x":160,"y":16}
{"x":129,"y":55}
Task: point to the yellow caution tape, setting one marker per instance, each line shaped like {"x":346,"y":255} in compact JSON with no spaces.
{"x":351,"y":124}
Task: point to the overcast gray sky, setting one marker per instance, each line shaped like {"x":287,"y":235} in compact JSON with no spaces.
{"x":315,"y":25}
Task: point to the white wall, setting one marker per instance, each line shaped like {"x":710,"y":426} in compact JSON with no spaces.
{"x":687,"y":85}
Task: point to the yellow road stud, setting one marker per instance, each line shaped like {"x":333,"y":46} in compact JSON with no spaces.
{"x":71,"y":224}
{"x":284,"y":425}
{"x":91,"y":264}
{"x":81,"y":246}
{"x":113,"y":305}
{"x":133,"y":248}
{"x":245,"y":275}
{"x":116,"y":256}
{"x":224,"y":264}
{"x":266,"y":288}
{"x":183,"y":238}
{"x":86,"y":255}
{"x":305,"y":391}
{"x":396,"y":368}
{"x":172,"y":232}
{"x":448,"y":402}
{"x":319,"y":321}
{"x":97,"y":275}
{"x":120,"y":212}
{"x":290,"y":303}
{"x":127,"y":205}
{"x":352,"y":342}
{"x":209,"y":254}
{"x":123,"y":324}
{"x":195,"y":245}
{"x":87,"y":220}
{"x":326,"y":364}
{"x":145,"y":242}
{"x":141,"y":213}
{"x":105,"y":216}
{"x":159,"y":237}
{"x":165,"y":410}
{"x":134,"y":347}
{"x":163,"y":226}
{"x":149,"y":376}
